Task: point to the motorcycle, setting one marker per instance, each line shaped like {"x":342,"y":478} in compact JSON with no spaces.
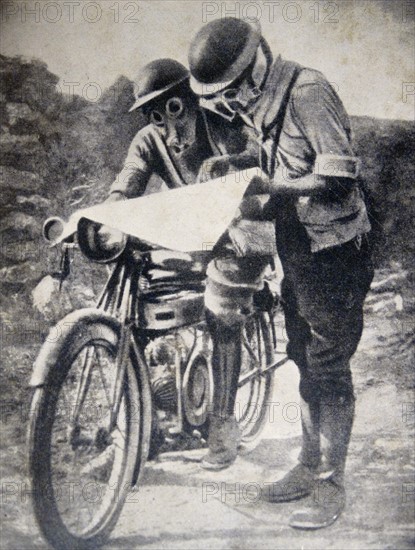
{"x":95,"y":392}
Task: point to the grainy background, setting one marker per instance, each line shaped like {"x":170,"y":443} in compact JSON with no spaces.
{"x":65,"y":90}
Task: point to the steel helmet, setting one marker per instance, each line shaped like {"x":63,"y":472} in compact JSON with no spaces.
{"x":155,"y":78}
{"x":220,"y":52}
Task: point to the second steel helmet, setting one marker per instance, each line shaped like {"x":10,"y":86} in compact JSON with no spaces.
{"x":220,"y":52}
{"x":155,"y":78}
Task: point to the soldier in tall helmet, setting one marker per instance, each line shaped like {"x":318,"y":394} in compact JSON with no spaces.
{"x":321,"y":233}
{"x":178,"y":145}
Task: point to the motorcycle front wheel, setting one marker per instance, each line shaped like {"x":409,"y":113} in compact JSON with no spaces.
{"x":81,"y":469}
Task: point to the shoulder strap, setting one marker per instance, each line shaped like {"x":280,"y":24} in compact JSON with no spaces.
{"x":278,"y":121}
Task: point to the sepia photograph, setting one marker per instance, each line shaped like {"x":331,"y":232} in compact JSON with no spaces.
{"x":207,"y":274}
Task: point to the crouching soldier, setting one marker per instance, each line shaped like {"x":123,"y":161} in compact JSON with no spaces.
{"x":177,"y":145}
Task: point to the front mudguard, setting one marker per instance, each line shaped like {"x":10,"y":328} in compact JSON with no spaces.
{"x":66,"y":331}
{"x":61,"y":337}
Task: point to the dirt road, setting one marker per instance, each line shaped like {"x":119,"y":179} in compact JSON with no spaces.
{"x":180,"y":506}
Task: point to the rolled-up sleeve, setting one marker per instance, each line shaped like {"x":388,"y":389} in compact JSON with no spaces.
{"x":319,"y":113}
{"x":138,"y":167}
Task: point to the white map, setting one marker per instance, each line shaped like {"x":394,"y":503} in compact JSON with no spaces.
{"x":187,"y":219}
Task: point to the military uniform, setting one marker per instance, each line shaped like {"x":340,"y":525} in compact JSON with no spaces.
{"x":232,"y":279}
{"x":322,"y":244}
{"x":149,"y":154}
{"x":320,"y":239}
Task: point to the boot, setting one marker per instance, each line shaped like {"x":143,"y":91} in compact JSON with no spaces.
{"x":300,"y":481}
{"x":329,"y":497}
{"x":224,"y":437}
{"x":223,"y":443}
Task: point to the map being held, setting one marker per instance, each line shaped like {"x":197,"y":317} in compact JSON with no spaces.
{"x":187,"y":219}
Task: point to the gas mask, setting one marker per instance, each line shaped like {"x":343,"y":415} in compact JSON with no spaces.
{"x":231,"y":101}
{"x":241,"y":96}
{"x":175,"y":118}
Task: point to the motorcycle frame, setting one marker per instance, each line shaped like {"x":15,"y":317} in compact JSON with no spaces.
{"x":119,"y":298}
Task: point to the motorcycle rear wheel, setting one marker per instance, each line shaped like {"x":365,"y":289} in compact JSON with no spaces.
{"x":253,"y":398}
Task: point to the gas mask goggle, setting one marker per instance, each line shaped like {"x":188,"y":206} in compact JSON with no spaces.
{"x":230,"y":101}
{"x":176,"y":119}
{"x":173,"y":109}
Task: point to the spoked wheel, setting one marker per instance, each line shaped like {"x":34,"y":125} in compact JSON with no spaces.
{"x":81,"y":467}
{"x":197,"y":390}
{"x":255,"y":387}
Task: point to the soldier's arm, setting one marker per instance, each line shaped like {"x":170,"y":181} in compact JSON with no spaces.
{"x":237,"y":143}
{"x":320,"y":115}
{"x":311,"y":184}
{"x":132,"y":181}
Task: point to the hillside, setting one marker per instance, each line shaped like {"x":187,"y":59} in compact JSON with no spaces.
{"x":58,"y":153}
{"x":386,"y":148}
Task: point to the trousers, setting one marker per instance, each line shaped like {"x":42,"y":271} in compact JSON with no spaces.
{"x":322,"y":296}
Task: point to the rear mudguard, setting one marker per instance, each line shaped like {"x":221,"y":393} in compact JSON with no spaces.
{"x":66,"y":331}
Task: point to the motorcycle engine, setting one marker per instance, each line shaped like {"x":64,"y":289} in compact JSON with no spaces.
{"x":161,"y":358}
